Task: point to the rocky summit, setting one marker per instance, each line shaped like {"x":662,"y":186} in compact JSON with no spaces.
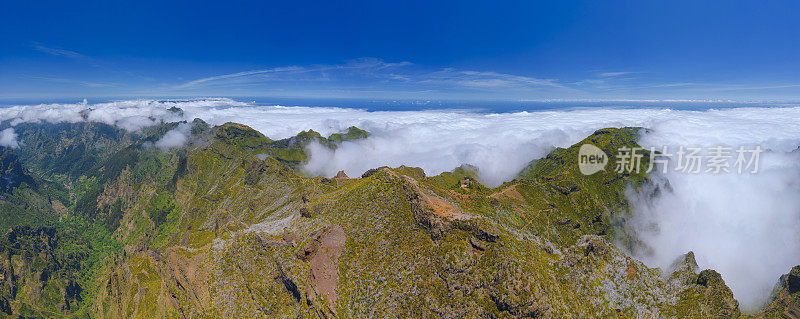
{"x":100,"y":222}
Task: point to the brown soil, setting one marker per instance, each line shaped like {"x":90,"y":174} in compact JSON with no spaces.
{"x":510,"y":191}
{"x":441,"y":207}
{"x":324,"y":262}
{"x":438,"y":205}
{"x":630,"y":272}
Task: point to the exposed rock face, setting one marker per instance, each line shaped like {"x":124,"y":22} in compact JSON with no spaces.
{"x":792,"y":280}
{"x":785,"y":301}
{"x":340,"y":175}
{"x":715,"y":297}
{"x":701,"y":294}
{"x":684,"y":270}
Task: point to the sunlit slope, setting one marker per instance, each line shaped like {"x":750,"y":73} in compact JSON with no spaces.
{"x":254,"y":238}
{"x":226,"y":226}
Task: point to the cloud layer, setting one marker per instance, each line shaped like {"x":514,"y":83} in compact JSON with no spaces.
{"x":745,"y":226}
{"x":176,"y":137}
{"x":371,"y":74}
{"x":8,"y":138}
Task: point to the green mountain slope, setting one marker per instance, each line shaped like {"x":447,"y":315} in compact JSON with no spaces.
{"x":227,"y":226}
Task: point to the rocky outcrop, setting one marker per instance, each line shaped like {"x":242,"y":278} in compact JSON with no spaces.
{"x":715,"y":297}
{"x":340,"y":176}
{"x":785,"y":300}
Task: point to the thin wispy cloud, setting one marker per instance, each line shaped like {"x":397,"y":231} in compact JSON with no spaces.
{"x":371,"y":75}
{"x":718,"y":86}
{"x":755,"y":87}
{"x":653,"y":87}
{"x":615,"y":74}
{"x":679,"y":84}
{"x":222,"y":77}
{"x":318,"y":72}
{"x":74,"y":81}
{"x":488,"y":79}
{"x":376,"y":78}
{"x":58,"y":52}
{"x":83,"y":59}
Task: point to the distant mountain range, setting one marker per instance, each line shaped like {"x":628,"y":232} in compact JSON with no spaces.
{"x":100,"y":222}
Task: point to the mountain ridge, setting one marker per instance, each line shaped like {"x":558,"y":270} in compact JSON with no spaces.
{"x":216,"y":229}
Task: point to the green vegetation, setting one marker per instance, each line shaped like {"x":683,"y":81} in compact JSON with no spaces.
{"x":227,"y":227}
{"x":113,"y":216}
{"x":353,"y":133}
{"x":292,"y":151}
{"x":160,"y":206}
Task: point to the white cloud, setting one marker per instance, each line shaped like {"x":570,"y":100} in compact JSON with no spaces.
{"x":488,"y":79}
{"x":8,"y":138}
{"x":176,"y":137}
{"x":362,"y":73}
{"x":222,"y":77}
{"x":744,"y":226}
{"x":131,"y":115}
{"x":369,"y":67}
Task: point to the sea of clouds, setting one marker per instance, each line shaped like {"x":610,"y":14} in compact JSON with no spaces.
{"x":743,"y":225}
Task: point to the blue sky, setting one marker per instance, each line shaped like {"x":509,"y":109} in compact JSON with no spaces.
{"x":466,"y":50}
